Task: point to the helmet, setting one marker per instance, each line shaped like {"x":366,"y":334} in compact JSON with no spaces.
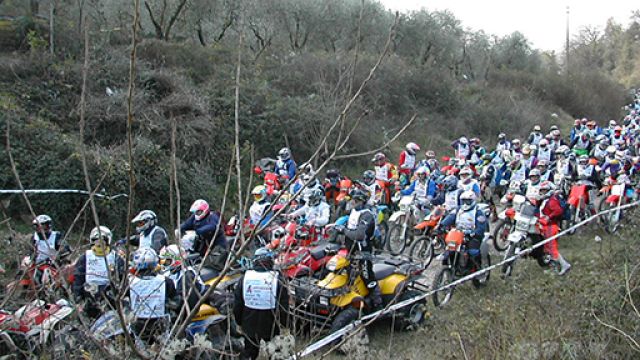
{"x":102,"y":232}
{"x":465,"y":173}
{"x":422,"y":172}
{"x":553,"y":128}
{"x":617,"y":129}
{"x":561,"y":149}
{"x":44,"y":221}
{"x":146,"y":219}
{"x":534,"y":173}
{"x":379,"y":158}
{"x":600,"y":137}
{"x":620,"y":155}
{"x":612,"y":123}
{"x":515,"y":142}
{"x":486,"y":157}
{"x":145,"y":259}
{"x":543,"y":163}
{"x":526,"y":150}
{"x":284,"y":154}
{"x":430,"y":154}
{"x":536,"y":128}
{"x":263,"y":258}
{"x":278,"y":233}
{"x":555,"y":133}
{"x":359,"y":195}
{"x":259,"y":193}
{"x":611,"y":150}
{"x":583,"y":159}
{"x":315,"y":197}
{"x":545,"y":188}
{"x":200,"y":209}
{"x":576,"y":122}
{"x":333,"y":173}
{"x":543,"y":143}
{"x":591,"y":123}
{"x":450,"y":183}
{"x":467,"y":200}
{"x":475,"y":140}
{"x":463,"y":140}
{"x":368,"y":177}
{"x":412,"y":148}
{"x":502,"y":136}
{"x":170,"y":255}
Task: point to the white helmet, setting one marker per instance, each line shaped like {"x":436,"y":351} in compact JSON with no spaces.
{"x":465,"y":173}
{"x":169,"y":255}
{"x":467,"y":200}
{"x":144,"y":220}
{"x":463,"y":140}
{"x":412,"y":148}
{"x":101,"y":232}
{"x":145,"y":259}
{"x":543,"y":143}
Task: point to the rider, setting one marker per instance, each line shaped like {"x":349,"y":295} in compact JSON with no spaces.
{"x":46,"y":243}
{"x":531,"y":187}
{"x":582,"y":144}
{"x":261,"y":303}
{"x":544,"y":151}
{"x":386,"y":174}
{"x":260,"y":205}
{"x":503,"y":144}
{"x":462,"y":148}
{"x":467,"y":182}
{"x":469,"y":219}
{"x":92,"y":269}
{"x":616,"y":137}
{"x":206,"y":225}
{"x":551,"y":214}
{"x":576,"y":130}
{"x":423,"y":187}
{"x":172,"y":258}
{"x":516,"y":146}
{"x":150,"y":235}
{"x":315,"y":210}
{"x":359,"y":233}
{"x":332,"y":185}
{"x":285,"y":166}
{"x":150,"y":293}
{"x":535,"y":136}
{"x":371,"y":187}
{"x":450,"y":196}
{"x":407,"y":163}
{"x":545,"y":172}
{"x":599,"y":152}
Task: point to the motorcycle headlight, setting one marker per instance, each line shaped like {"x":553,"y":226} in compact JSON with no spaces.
{"x":324,"y":301}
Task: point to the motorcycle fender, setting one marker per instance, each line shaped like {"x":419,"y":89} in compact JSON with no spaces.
{"x":48,"y":324}
{"x":205,"y":311}
{"x":334,"y":281}
{"x":300,"y":270}
{"x":396,"y":215}
{"x":514,"y":237}
{"x":389,"y":284}
{"x":613,"y":199}
{"x":358,"y":289}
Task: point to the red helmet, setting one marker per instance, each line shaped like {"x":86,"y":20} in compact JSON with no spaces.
{"x":379,"y":158}
{"x":200,"y":209}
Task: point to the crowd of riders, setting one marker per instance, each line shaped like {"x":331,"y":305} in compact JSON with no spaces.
{"x":541,"y":166}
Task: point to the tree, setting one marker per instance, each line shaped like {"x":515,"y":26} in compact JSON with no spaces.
{"x":163,"y":15}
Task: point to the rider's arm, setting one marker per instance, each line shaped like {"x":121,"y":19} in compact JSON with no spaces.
{"x":79,"y":272}
{"x":238,"y":303}
{"x":293,"y":168}
{"x":481,"y":224}
{"x":159,"y":239}
{"x":410,"y":189}
{"x":188,"y":224}
{"x":323,"y":218}
{"x":302,"y":210}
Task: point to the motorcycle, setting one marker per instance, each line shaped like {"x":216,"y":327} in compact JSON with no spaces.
{"x":505,"y":223}
{"x":402,"y":223}
{"x":428,"y":241}
{"x":579,"y":203}
{"x":525,"y":234}
{"x":31,"y":326}
{"x":615,"y":193}
{"x":308,"y":260}
{"x":459,"y":262}
{"x":43,"y":275}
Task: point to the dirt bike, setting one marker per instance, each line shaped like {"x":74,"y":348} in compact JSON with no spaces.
{"x":579,"y":203}
{"x":402,"y":222}
{"x":459,"y":262}
{"x":32,"y":326}
{"x":504,"y":225}
{"x":615,"y":194}
{"x":44,"y":275}
{"x":524,"y":234}
{"x":428,"y":241}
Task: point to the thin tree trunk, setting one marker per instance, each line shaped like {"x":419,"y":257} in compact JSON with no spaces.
{"x":52,"y":13}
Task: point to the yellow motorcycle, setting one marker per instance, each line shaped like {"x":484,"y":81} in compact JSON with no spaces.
{"x":341,"y":296}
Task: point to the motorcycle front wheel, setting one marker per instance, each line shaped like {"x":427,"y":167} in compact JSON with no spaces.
{"x":444,"y":277}
{"x":422,"y":251}
{"x":397,"y":241}
{"x":501,"y":235}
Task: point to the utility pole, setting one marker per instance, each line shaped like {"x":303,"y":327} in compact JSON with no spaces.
{"x":566,"y":46}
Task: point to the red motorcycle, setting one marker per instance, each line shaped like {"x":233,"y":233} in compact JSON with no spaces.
{"x":579,"y":202}
{"x":43,"y":275}
{"x":30,"y":327}
{"x":615,"y":193}
{"x":308,"y":260}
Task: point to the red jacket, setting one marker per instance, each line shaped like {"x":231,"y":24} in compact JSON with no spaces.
{"x":553,"y":209}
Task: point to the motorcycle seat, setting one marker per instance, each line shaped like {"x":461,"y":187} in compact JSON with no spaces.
{"x":320,"y":251}
{"x":381,"y":271}
{"x":207,"y":274}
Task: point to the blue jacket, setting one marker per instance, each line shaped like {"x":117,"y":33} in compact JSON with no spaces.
{"x":431,"y":188}
{"x":206,"y":229}
{"x":288,"y":166}
{"x":481,"y":223}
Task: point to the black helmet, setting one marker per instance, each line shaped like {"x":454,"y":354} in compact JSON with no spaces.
{"x":333,"y":173}
{"x":359,"y":195}
{"x":315,"y":197}
{"x":368,"y":177}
